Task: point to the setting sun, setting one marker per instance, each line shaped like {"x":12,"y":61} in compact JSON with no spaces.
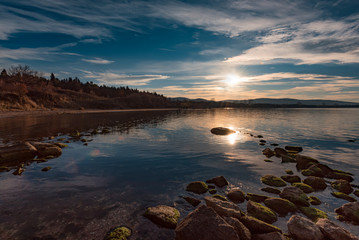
{"x":233,"y":79}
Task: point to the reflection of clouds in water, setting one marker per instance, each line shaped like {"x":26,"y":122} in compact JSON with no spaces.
{"x":98,"y":153}
{"x":139,"y":134}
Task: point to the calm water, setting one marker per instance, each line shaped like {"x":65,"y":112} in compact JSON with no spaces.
{"x":149,"y":158}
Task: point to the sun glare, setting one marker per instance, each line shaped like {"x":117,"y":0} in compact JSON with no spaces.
{"x":233,"y":79}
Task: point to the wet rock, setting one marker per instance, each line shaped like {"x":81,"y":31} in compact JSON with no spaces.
{"x":280,"y":152}
{"x":23,"y":151}
{"x":47,"y":149}
{"x":212,"y":191}
{"x":296,"y":196}
{"x":304,"y":162}
{"x":193,"y":201}
{"x":267,"y":160}
{"x":288,"y":159}
{"x":291,"y":178}
{"x":45,"y":169}
{"x":275,"y":144}
{"x":313,"y":170}
{"x":268,"y":152}
{"x":205,"y":224}
{"x":256,"y":197}
{"x":211,"y":186}
{"x":236,"y":195}
{"x":313,"y":213}
{"x":242,"y":231}
{"x":18,"y":171}
{"x":61,"y":145}
{"x":4,"y":169}
{"x":261,"y":212}
{"x":280,"y":205}
{"x":289,"y":172}
{"x":356,"y":193}
{"x":343,"y":196}
{"x":294,"y":148}
{"x":163,"y":216}
{"x":220,"y":197}
{"x":273,"y":181}
{"x":119,"y":233}
{"x":262,"y":141}
{"x":301,"y":228}
{"x":257,"y":226}
{"x":222,"y":131}
{"x":316,"y":183}
{"x":219,"y":181}
{"x":269,"y":236}
{"x":197,"y":187}
{"x":332,"y":231}
{"x":259,"y":136}
{"x":304,"y":187}
{"x":349,"y":212}
{"x":340,"y":175}
{"x":270,"y":190}
{"x":314,"y":200}
{"x":342,"y":186}
{"x":223,"y":208}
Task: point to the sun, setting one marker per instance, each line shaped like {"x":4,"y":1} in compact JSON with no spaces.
{"x":233,"y":79}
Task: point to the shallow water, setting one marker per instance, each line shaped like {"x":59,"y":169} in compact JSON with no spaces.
{"x":149,"y":158}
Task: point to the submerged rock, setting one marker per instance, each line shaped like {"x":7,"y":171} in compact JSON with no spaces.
{"x":288,"y":159}
{"x":223,"y":208}
{"x":356,"y":193}
{"x":291,"y":178}
{"x":280,"y":206}
{"x":257,"y":226}
{"x":313,"y":213}
{"x":222,"y":131}
{"x":316,"y":183}
{"x":163,"y":216}
{"x":295,"y":195}
{"x":242,"y":231}
{"x":273,"y":181}
{"x":205,"y":224}
{"x":261,"y":212}
{"x":301,"y":228}
{"x":268,"y":152}
{"x":47,"y":149}
{"x":294,"y":148}
{"x":193,"y":201}
{"x":236,"y":195}
{"x":332,"y":231}
{"x":313,"y":170}
{"x":349,"y":212}
{"x":270,"y":190}
{"x":219,"y":181}
{"x":197,"y":187}
{"x":343,"y":196}
{"x":212,"y":191}
{"x":119,"y":233}
{"x":342,"y":186}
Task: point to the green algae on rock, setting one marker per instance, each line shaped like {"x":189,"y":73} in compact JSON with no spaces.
{"x":220,"y":197}
{"x":267,"y":160}
{"x":289,"y":172}
{"x":342,"y":186}
{"x":314,"y":200}
{"x":280,"y":205}
{"x":119,"y":233}
{"x":304,"y":187}
{"x":45,"y":169}
{"x":257,"y":226}
{"x":296,"y":196}
{"x":313,"y":213}
{"x":291,"y":178}
{"x":273,"y":181}
{"x":261,"y":212}
{"x":163,"y":216}
{"x":316,"y":183}
{"x":256,"y":197}
{"x":270,"y":190}
{"x":197,"y":187}
{"x":343,"y":196}
{"x":212,"y":191}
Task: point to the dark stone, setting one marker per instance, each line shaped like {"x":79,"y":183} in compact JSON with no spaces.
{"x":236,"y":195}
{"x":163,"y":216}
{"x":342,"y":186}
{"x":280,"y":205}
{"x":269,"y":236}
{"x":193,"y":201}
{"x":270,"y":190}
{"x":291,"y":178}
{"x":294,"y":148}
{"x":268,"y":152}
{"x":222,"y":131}
{"x":219,"y":181}
{"x":257,"y":226}
{"x":256,"y":197}
{"x":304,"y":162}
{"x":332,"y":231}
{"x":296,"y":196}
{"x":280,"y":152}
{"x":197,"y":187}
{"x":301,"y":228}
{"x":242,"y":231}
{"x":316,"y":183}
{"x":349,"y":212}
{"x":261,"y":212}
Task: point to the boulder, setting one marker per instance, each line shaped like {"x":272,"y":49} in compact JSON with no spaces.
{"x":220,"y":197}
{"x":280,"y":152}
{"x":257,"y":226}
{"x":205,"y":224}
{"x":236,"y":195}
{"x":313,"y":170}
{"x":163,"y":216}
{"x":313,"y":213}
{"x":332,"y":231}
{"x":304,"y":162}
{"x":301,"y":228}
{"x":294,"y":148}
{"x":273,"y":181}
{"x":343,"y":196}
{"x":342,"y":186}
{"x":291,"y":178}
{"x":268,"y":152}
{"x":45,"y":169}
{"x":47,"y":149}
{"x":280,"y":205}
{"x":340,"y":175}
{"x":256,"y":197}
{"x":21,"y":152}
{"x":219,"y":181}
{"x":212,"y":191}
{"x":223,"y":208}
{"x":261,"y":212}
{"x":356,"y":193}
{"x":288,"y":159}
{"x":193,"y":201}
{"x":316,"y":183}
{"x":304,"y":187}
{"x":269,"y":236}
{"x":222,"y":131}
{"x":349,"y":212}
{"x":295,"y":195}
{"x":289,"y":172}
{"x":314,"y":200}
{"x":242,"y":231}
{"x":270,"y":190}
{"x":197,"y":187}
{"x":119,"y":233}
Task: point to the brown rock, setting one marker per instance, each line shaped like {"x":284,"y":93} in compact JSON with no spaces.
{"x":223,"y":208}
{"x":193,"y":201}
{"x":222,"y":131}
{"x":316,"y":183}
{"x":301,"y":228}
{"x":268,"y":152}
{"x":349,"y":212}
{"x":47,"y":149}
{"x":294,"y":148}
{"x":334,"y":232}
{"x":23,"y":151}
{"x":257,"y":226}
{"x":291,"y":178}
{"x":342,"y":186}
{"x":304,"y":162}
{"x":280,"y":152}
{"x":163,"y":216}
{"x":242,"y":231}
{"x":261,"y":212}
{"x":219,"y":181}
{"x":236,"y":195}
{"x":269,"y":236}
{"x":295,"y":195}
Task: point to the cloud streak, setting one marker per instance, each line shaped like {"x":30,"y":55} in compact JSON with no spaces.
{"x":97,"y":61}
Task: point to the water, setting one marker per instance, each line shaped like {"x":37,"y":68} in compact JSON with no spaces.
{"x":149,"y":157}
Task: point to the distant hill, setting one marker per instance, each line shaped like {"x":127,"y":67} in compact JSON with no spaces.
{"x":290,"y":101}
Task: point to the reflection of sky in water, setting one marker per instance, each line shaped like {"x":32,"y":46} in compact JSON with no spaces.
{"x":151,"y":163}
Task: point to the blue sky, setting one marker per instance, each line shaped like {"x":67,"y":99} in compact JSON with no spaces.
{"x":213,"y":49}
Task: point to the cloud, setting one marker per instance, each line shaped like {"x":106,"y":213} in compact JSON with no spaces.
{"x":110,"y":78}
{"x":97,"y":61}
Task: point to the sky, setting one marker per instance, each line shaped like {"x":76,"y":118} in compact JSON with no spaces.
{"x":212,"y":49}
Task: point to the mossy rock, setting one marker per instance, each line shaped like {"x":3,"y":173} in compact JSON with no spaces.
{"x":163,"y":216}
{"x":304,"y":162}
{"x":342,"y":186}
{"x":45,"y":169}
{"x":356,"y":193}
{"x":261,"y":212}
{"x":256,"y":197}
{"x":291,"y":178}
{"x":220,"y":197}
{"x":61,"y":145}
{"x":313,"y":213}
{"x":212,"y":191}
{"x":296,"y":196}
{"x":4,"y":169}
{"x":289,"y":172}
{"x":197,"y":187}
{"x":267,"y":160}
{"x":273,"y":181}
{"x":313,"y":170}
{"x":280,"y":205}
{"x":304,"y":187}
{"x":341,"y":171}
{"x":119,"y":233}
{"x":339,"y":175}
{"x":257,"y":226}
{"x":293,"y":148}
{"x":316,"y":183}
{"x":343,"y":196}
{"x":270,"y":190}
{"x":314,"y":200}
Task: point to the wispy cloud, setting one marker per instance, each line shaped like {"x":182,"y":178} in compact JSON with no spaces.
{"x":97,"y":61}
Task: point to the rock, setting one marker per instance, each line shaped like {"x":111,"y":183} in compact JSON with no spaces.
{"x":220,"y":197}
{"x":119,"y":233}
{"x":295,"y":195}
{"x":47,"y":149}
{"x":291,"y":178}
{"x":242,"y":231}
{"x":205,"y":224}
{"x":349,"y":212}
{"x":268,"y":152}
{"x":314,"y":200}
{"x":259,"y":136}
{"x":343,"y":196}
{"x":7,"y":169}
{"x":332,"y":231}
{"x":313,"y":213}
{"x":261,"y":212}
{"x":304,"y":187}
{"x":280,"y":206}
{"x":262,"y":141}
{"x":257,"y":226}
{"x":293,"y":148}
{"x":288,"y":171}
{"x":61,"y":145}
{"x":288,"y":159}
{"x":193,"y":201}
{"x":45,"y":169}
{"x":340,"y":175}
{"x":211,"y":186}
{"x":273,"y":181}
{"x":270,"y":190}
{"x":197,"y":187}
{"x":356,"y":193}
{"x":219,"y":181}
{"x":236,"y":195}
{"x":222,"y":131}
{"x":212,"y":191}
{"x":316,"y":183}
{"x":342,"y":186}
{"x":274,"y":144}
{"x":223,"y":208}
{"x":267,"y":160}
{"x":22,"y":152}
{"x":163,"y":216}
{"x":18,"y":171}
{"x":313,"y":170}
{"x":280,"y":152}
{"x":301,"y":228}
{"x":256,"y":197}
{"x":269,"y":236}
{"x":304,"y":162}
